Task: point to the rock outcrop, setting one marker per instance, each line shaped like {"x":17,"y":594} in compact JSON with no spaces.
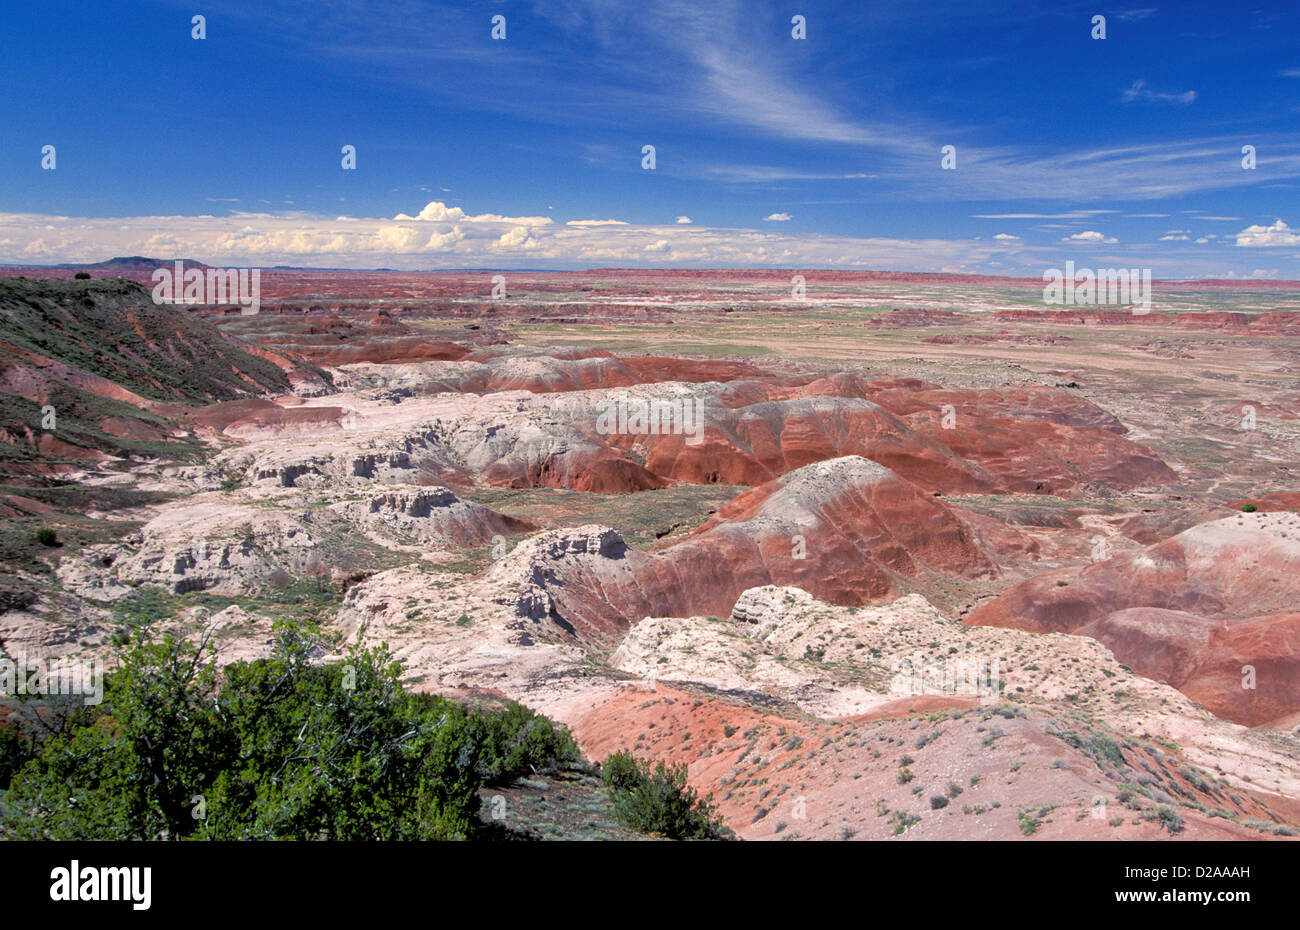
{"x":1194,"y":610}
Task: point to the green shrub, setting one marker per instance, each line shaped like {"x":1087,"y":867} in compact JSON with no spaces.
{"x":658,"y":800}
{"x":516,"y":741}
{"x":277,"y":748}
{"x":82,"y":275}
{"x":1169,"y":818}
{"x":47,"y":537}
{"x":1249,"y":508}
{"x":902,"y":820}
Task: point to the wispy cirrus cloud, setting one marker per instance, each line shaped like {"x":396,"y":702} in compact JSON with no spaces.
{"x":731,"y":64}
{"x":1139,"y":92}
{"x":1071,"y":215}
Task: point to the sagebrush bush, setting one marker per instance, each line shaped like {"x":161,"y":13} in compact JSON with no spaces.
{"x":659,"y":801}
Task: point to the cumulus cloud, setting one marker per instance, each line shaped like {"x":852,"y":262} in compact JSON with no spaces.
{"x":1175,"y":236}
{"x":1006,"y":236}
{"x":777,"y":218}
{"x":440,"y":241}
{"x":448,"y":237}
{"x":1253,"y":237}
{"x":435,"y":211}
{"x":683,"y":220}
{"x":518,"y":238}
{"x":398,"y":238}
{"x":1090,"y":235}
{"x":456,"y":239}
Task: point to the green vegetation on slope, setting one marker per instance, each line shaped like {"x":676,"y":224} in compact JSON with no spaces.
{"x":112,"y":328}
{"x":278,"y":748}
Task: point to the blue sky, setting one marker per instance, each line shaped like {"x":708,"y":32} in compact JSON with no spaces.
{"x":1125,"y":150}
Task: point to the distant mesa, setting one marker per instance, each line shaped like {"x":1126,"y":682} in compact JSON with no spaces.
{"x":133,"y":263}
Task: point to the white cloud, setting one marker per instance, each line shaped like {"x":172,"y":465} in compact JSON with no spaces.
{"x":439,"y":241}
{"x":398,"y":238}
{"x":1090,"y":235}
{"x":1005,"y":236}
{"x":1138,"y":91}
{"x":777,"y":218}
{"x":1175,"y":237}
{"x":265,"y":239}
{"x":596,"y":223}
{"x":435,"y":211}
{"x":1267,"y":236}
{"x":518,"y":238}
{"x":360,"y":242}
{"x":683,"y":220}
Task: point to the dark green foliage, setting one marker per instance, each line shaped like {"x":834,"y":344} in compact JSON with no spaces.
{"x":15,"y":750}
{"x":515,"y":742}
{"x":82,"y":275}
{"x":280,"y":748}
{"x":47,"y":537}
{"x":1249,"y":508}
{"x":658,"y":800}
